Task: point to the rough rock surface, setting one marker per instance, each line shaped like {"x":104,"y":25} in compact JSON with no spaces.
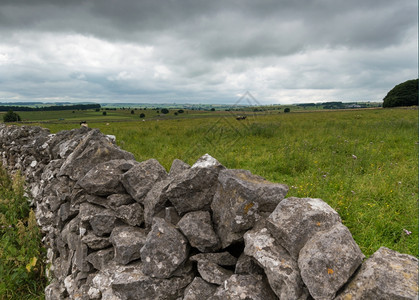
{"x":197,"y":227}
{"x":127,"y":242}
{"x":387,"y":275}
{"x":164,"y":251}
{"x":199,"y":289}
{"x":295,"y":220}
{"x":213,"y":273}
{"x":239,"y":200}
{"x":328,"y":260}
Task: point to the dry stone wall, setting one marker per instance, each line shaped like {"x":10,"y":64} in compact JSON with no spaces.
{"x":116,"y":228}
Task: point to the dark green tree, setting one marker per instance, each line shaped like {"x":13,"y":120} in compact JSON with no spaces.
{"x":104,"y":113}
{"x":164,"y":111}
{"x":142,"y":116}
{"x":11,"y":116}
{"x":403,"y":94}
{"x":287,"y":110}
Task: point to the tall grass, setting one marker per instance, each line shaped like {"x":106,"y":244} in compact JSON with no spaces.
{"x":21,"y":255}
{"x":363,"y":163}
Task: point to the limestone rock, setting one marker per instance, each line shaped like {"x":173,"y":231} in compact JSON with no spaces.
{"x":92,"y":150}
{"x":240,"y":199}
{"x":199,"y":289}
{"x":100,"y":258}
{"x":127,"y":242}
{"x":100,"y":219}
{"x":220,"y":258}
{"x":132,"y":214}
{"x":171,"y":215}
{"x":116,"y":200}
{"x":155,"y":202}
{"x":247,"y":265}
{"x":96,"y":242}
{"x":194,"y":188}
{"x":295,"y":220}
{"x":239,"y":287}
{"x":328,"y":260}
{"x":103,"y":179}
{"x":280,"y":268}
{"x":387,"y":275}
{"x":141,"y":178}
{"x":178,"y":167}
{"x":212,"y":272}
{"x":164,"y":251}
{"x":197,"y":227}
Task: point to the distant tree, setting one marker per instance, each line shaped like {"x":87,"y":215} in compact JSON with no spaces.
{"x":104,"y":113}
{"x":97,"y":109}
{"x":132,"y":112}
{"x":142,"y":116}
{"x":158,"y":111}
{"x":287,"y":110}
{"x":403,"y":94}
{"x":181,"y":111}
{"x":175,"y":113}
{"x":11,"y":116}
{"x":164,"y":111}
{"x":213,"y":109}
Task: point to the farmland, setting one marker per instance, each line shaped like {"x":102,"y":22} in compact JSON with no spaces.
{"x":362,"y":162}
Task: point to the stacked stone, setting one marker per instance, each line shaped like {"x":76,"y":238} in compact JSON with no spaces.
{"x":119,"y":229}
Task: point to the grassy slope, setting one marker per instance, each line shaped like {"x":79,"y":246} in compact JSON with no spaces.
{"x":363,"y":162}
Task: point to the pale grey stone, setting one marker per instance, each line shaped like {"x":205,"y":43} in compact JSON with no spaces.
{"x":132,"y":214}
{"x":95,"y":242}
{"x":197,"y":227}
{"x":199,"y":289}
{"x":213,"y":273}
{"x":127,"y":242}
{"x":100,"y":258}
{"x":295,"y":220}
{"x":385,"y":275}
{"x":220,"y":258}
{"x":178,"y":167}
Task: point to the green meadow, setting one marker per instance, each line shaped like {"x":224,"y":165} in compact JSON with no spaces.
{"x":363,"y":163}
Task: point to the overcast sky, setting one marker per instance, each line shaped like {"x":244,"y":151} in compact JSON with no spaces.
{"x":191,"y":51}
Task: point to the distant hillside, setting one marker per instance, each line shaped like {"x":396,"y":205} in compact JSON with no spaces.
{"x":403,"y":94}
{"x":49,"y":108}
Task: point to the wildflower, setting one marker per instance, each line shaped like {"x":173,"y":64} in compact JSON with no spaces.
{"x":354,"y":156}
{"x":407,"y":231}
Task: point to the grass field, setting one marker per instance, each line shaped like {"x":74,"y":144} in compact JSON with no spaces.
{"x":364,"y":163}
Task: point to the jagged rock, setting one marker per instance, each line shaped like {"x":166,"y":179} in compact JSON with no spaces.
{"x":239,"y":287}
{"x":171,"y":215}
{"x":155,"y":202}
{"x":247,"y":265}
{"x":116,"y":200}
{"x":80,"y":258}
{"x":164,"y":251}
{"x":197,"y":227}
{"x":130,"y":283}
{"x":92,"y":150}
{"x":127,"y":242}
{"x":178,"y":167}
{"x":280,"y":268}
{"x":104,"y":179}
{"x":213,"y":273}
{"x":55,"y":291}
{"x":141,"y":178}
{"x":199,"y":289}
{"x":386,"y":274}
{"x":194,"y":188}
{"x":221,"y":258}
{"x":101,"y":220}
{"x":132,"y":214}
{"x":240,"y":199}
{"x":328,"y":260}
{"x":295,"y":220}
{"x":100,"y":258}
{"x":96,"y":242}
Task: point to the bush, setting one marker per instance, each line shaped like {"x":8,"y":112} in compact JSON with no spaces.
{"x":287,"y":110}
{"x":10,"y":116}
{"x":403,"y":94}
{"x":181,"y":111}
{"x":132,"y":112}
{"x":104,"y":113}
{"x":142,"y":116}
{"x":164,"y":111}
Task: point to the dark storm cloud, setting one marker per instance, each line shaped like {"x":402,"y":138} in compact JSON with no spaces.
{"x":144,"y":48}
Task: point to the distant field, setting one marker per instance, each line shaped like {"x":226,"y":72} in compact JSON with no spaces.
{"x":364,"y":163}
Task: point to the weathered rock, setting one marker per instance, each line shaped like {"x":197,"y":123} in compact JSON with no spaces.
{"x":141,"y":178}
{"x":239,"y":200}
{"x":92,"y":150}
{"x":199,"y":289}
{"x":96,"y":242}
{"x":247,"y":265}
{"x":221,"y":258}
{"x":178,"y":167}
{"x":171,"y":215}
{"x":100,"y":219}
{"x":295,"y":220}
{"x":104,"y":179}
{"x":212,"y":272}
{"x":194,"y":188}
{"x":164,"y":251}
{"x":239,"y":287}
{"x":280,"y":268}
{"x":100,"y":258}
{"x":155,"y":202}
{"x":386,"y":275}
{"x":116,"y":200}
{"x":197,"y":227}
{"x":328,"y":260}
{"x":132,"y":214}
{"x":127,"y":242}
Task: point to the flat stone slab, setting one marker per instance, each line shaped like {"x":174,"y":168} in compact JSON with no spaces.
{"x":386,"y":274}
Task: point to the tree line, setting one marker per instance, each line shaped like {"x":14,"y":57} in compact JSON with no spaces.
{"x":50,"y":108}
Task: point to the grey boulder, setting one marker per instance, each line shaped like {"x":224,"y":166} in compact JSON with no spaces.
{"x":127,"y":242}
{"x":199,"y":289}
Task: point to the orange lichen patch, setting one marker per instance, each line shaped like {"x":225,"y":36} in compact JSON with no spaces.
{"x":248,"y":206}
{"x":159,"y":233}
{"x":330,"y":271}
{"x":318,"y":223}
